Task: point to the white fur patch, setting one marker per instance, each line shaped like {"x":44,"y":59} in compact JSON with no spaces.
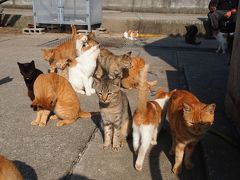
{"x":162,"y":101}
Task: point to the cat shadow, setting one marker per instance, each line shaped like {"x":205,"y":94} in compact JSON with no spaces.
{"x":26,"y":170}
{"x":74,"y":177}
{"x":5,"y":80}
{"x":9,"y":20}
{"x":97,"y":119}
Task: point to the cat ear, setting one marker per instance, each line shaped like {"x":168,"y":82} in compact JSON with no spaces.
{"x":187,"y":107}
{"x":19,"y":64}
{"x":129,"y":53}
{"x":210,"y":108}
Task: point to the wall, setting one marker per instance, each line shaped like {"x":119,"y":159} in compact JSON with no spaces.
{"x":232,"y":100}
{"x":169,"y":6}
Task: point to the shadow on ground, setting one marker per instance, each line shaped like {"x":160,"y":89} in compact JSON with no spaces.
{"x":26,"y":170}
{"x":5,"y":80}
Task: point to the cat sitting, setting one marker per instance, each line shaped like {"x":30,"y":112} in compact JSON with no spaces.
{"x":191,"y":34}
{"x":82,"y":68}
{"x":115,"y":112}
{"x":189,"y":120}
{"x":221,"y":40}
{"x":111,"y":64}
{"x":60,"y":56}
{"x":30,"y":74}
{"x":130,"y":78}
{"x":53,"y":93}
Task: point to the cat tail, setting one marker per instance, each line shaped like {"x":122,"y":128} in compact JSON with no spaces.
{"x":83,"y":114}
{"x":74,"y":33}
{"x":143,"y":90}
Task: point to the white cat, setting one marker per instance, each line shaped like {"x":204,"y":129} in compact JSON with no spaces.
{"x":222,"y":42}
{"x":81,"y":71}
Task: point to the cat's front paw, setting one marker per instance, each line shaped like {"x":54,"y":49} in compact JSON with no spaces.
{"x":93,"y":91}
{"x":41,"y":124}
{"x":153,"y":142}
{"x":106,"y":147}
{"x":138,"y":167}
{"x":34,"y":123}
{"x":116,"y":149}
{"x":80,"y":91}
{"x":60,"y":123}
{"x":88,"y":93}
{"x":177,"y":169}
{"x":53,"y":117}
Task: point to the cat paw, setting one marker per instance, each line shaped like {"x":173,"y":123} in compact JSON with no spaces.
{"x":106,"y":147}
{"x":153,"y":142}
{"x":177,"y":170}
{"x":60,"y":123}
{"x":80,"y":91}
{"x":138,"y":167}
{"x":93,"y":91}
{"x":42,"y":124}
{"x":116,"y":149}
{"x":54,"y":117}
{"x":88,"y":94}
{"x":34,"y":123}
{"x":189,"y":165}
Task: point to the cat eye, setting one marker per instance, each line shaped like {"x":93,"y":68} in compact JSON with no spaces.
{"x":100,"y":93}
{"x":109,"y":93}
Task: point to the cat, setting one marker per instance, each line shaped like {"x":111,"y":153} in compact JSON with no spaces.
{"x":111,"y":64}
{"x":30,"y":74}
{"x":221,"y":40}
{"x":8,"y":170}
{"x":130,"y":78}
{"x":189,"y":120}
{"x":191,"y":34}
{"x":60,"y":56}
{"x":146,"y":119}
{"x":131,"y":34}
{"x":82,"y":70}
{"x":54,"y":93}
{"x":115,"y":111}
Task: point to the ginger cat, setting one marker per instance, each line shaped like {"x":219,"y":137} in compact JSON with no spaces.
{"x":147,"y":118}
{"x":189,"y":120}
{"x":62,"y":55}
{"x":130,"y":78}
{"x":8,"y":170}
{"x":54,"y":93}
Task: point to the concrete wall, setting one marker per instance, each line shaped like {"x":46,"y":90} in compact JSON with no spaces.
{"x":169,"y":6}
{"x":232,"y":100}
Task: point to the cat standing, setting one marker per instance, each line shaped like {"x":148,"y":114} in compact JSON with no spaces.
{"x":221,"y":40}
{"x":111,"y":64}
{"x":30,"y":74}
{"x":189,"y":120}
{"x":147,"y":118}
{"x":82,"y":68}
{"x":115,"y":112}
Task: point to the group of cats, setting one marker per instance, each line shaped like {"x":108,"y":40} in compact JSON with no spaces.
{"x":88,"y":68}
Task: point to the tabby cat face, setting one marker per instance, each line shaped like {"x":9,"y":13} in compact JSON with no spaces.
{"x":126,"y":60}
{"x":106,"y":89}
{"x":27,"y":69}
{"x":199,"y":117}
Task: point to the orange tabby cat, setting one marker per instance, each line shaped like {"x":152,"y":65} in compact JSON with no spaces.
{"x":62,"y":55}
{"x":54,"y":93}
{"x":131,"y":76}
{"x":8,"y":170}
{"x":147,"y":118}
{"x":189,"y":120}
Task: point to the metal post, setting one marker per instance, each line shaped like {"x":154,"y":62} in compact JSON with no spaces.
{"x":34,"y":14}
{"x":88,"y":8}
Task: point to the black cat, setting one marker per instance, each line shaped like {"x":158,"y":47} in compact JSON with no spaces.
{"x":30,"y":74}
{"x":191,"y":34}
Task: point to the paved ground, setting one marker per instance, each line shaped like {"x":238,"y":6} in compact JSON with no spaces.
{"x":53,"y":153}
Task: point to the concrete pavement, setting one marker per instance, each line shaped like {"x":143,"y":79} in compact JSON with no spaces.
{"x":54,"y":153}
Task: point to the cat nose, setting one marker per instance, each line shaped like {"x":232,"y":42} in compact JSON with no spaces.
{"x":104,"y":98}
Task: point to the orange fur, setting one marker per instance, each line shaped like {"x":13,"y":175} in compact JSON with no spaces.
{"x":131,"y":76}
{"x":189,"y":120}
{"x":8,"y":170}
{"x":61,"y":56}
{"x":54,"y":93}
